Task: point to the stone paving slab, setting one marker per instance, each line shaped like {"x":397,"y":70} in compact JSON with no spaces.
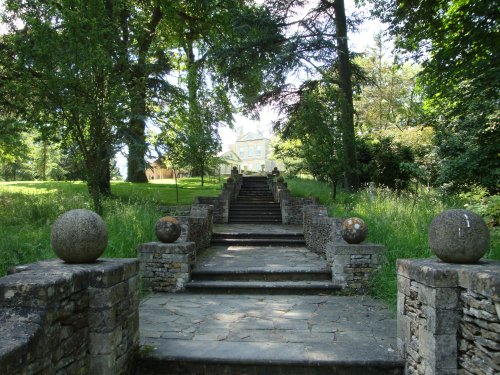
{"x":271,"y":258}
{"x":268,"y":329}
{"x":258,"y":228}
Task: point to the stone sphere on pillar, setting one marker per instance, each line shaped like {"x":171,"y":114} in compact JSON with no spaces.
{"x":459,"y":236}
{"x":168,"y":229}
{"x":79,"y":236}
{"x":354,"y":230}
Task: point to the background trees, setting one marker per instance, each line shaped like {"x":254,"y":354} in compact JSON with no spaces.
{"x":457,"y":43}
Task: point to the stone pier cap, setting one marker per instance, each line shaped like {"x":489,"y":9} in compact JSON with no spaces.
{"x":482,"y":277}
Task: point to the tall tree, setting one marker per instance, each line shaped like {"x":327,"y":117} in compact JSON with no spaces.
{"x":65,"y":68}
{"x":317,"y":46}
{"x":143,"y":66}
{"x":457,"y":42}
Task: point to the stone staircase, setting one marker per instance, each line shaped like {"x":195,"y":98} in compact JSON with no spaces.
{"x":273,"y":262}
{"x":255,"y":203}
{"x":261,"y":303}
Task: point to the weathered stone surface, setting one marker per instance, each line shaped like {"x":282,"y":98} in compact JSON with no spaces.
{"x":459,"y":236}
{"x":57,"y":334}
{"x":353,"y":264}
{"x":447,"y":320}
{"x":354,"y":230}
{"x":166,"y":267}
{"x":79,"y":236}
{"x":168,"y":229}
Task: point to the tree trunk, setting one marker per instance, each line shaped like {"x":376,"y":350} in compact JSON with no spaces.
{"x":105,"y":173}
{"x":136,"y":135}
{"x":347,"y":112}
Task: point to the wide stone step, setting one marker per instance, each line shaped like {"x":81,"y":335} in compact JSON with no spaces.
{"x":261,"y":274}
{"x":257,"y":242}
{"x":263,"y":287}
{"x":254,"y":221}
{"x":254,"y":213}
{"x":193,"y":334}
{"x":266,"y":236}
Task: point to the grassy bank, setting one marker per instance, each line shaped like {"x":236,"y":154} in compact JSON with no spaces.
{"x":28,"y":209}
{"x":398,"y":221}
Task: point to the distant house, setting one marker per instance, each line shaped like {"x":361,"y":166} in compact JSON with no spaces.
{"x":250,"y":153}
{"x":158,"y":171}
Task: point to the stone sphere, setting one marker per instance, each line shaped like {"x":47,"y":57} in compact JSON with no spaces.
{"x":459,"y":236}
{"x":168,"y":229}
{"x":79,"y":236}
{"x":354,"y":230}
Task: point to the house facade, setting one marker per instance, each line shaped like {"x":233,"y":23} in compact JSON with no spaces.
{"x":250,"y":153}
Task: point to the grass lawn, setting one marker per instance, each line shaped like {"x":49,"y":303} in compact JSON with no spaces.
{"x":28,"y":209}
{"x":399,"y":222}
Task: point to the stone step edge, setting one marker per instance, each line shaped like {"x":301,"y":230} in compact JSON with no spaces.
{"x":299,"y":285}
{"x":261,"y":271}
{"x":258,"y":241}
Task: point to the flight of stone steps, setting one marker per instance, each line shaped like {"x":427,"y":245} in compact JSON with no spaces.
{"x":255,"y":203}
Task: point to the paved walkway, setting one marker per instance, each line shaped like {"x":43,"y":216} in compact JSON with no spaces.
{"x":312,"y":329}
{"x":259,"y":258}
{"x":264,"y":329}
{"x":257,"y":228}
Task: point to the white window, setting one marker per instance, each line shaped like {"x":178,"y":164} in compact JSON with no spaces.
{"x":259,"y":151}
{"x":250,"y":167}
{"x":250,"y":151}
{"x":242,"y":151}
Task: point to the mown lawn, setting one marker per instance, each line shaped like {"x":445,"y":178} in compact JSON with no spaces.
{"x":400,"y":222}
{"x":28,"y":209}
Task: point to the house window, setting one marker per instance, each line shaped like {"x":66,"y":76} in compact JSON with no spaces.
{"x":242,"y":151}
{"x":250,"y":167}
{"x":250,"y":151}
{"x":259,"y":151}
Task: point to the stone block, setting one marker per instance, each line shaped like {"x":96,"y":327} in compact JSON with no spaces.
{"x":440,"y":298}
{"x":431,"y":272}
{"x":357,"y":249}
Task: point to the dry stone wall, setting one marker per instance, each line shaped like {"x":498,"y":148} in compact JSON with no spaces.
{"x":57,"y":318}
{"x":166,"y":267}
{"x":353,"y":264}
{"x":320,"y":229}
{"x":448,"y":317}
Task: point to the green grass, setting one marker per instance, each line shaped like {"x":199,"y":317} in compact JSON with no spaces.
{"x":399,"y":222}
{"x":28,"y":210}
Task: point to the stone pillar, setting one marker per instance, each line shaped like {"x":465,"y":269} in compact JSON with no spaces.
{"x":353,"y":264}
{"x":114,"y":320}
{"x":166,"y":267}
{"x":58,"y":318}
{"x":447,"y":321}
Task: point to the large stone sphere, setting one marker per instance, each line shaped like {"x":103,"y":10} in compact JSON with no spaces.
{"x":354,"y":230}
{"x":168,"y":229}
{"x":459,"y":236}
{"x":79,"y":236}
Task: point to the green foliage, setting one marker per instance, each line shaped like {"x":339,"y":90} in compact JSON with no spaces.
{"x":385,"y":162}
{"x":389,"y":98}
{"x":314,"y":123}
{"x":400,"y":222}
{"x":457,"y":42}
{"x":29,"y":209}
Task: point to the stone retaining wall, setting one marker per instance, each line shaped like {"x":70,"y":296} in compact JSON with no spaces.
{"x":292,"y":208}
{"x":353,"y":264}
{"x":57,"y":318}
{"x":220,"y":207}
{"x":197,"y":227}
{"x":166,"y":267}
{"x":449,"y":317}
{"x":320,"y":229}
